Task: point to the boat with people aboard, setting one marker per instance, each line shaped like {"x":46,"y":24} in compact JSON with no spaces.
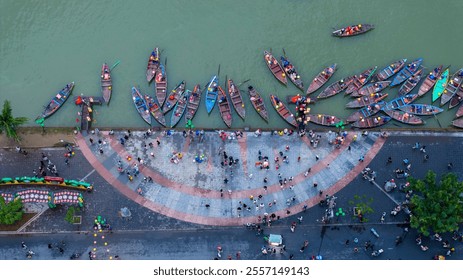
{"x":321,"y":78}
{"x":390,"y":70}
{"x":173,"y":97}
{"x":430,"y":80}
{"x":106,"y":83}
{"x":400,"y":101}
{"x":366,"y":100}
{"x":141,"y":106}
{"x":56,"y":102}
{"x":292,"y":73}
{"x":366,"y":112}
{"x":180,"y":108}
{"x":370,"y":88}
{"x":421,"y":109}
{"x":324,"y":119}
{"x":153,"y":64}
{"x":361,"y":79}
{"x":193,"y":103}
{"x":224,"y":107}
{"x":275,"y":67}
{"x":410,"y":83}
{"x":452,"y":87}
{"x":282,"y":110}
{"x":236,"y":98}
{"x":335,"y":88}
{"x":440,"y":85}
{"x":258,"y":102}
{"x":353,"y":30}
{"x":371,"y":122}
{"x":406,"y":72}
{"x":404,"y":117}
{"x":160,"y":84}
{"x":155,"y":109}
{"x":211,"y":94}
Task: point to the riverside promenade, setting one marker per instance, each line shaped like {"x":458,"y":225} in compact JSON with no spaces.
{"x":185,"y":178}
{"x":174,"y":202}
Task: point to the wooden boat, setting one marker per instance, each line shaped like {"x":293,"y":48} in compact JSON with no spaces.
{"x":193,"y":103}
{"x":160,"y":83}
{"x":57,"y":101}
{"x":153,"y":64}
{"x":179,"y":108}
{"x":321,"y":78}
{"x":155,"y":109}
{"x":399,"y":102}
{"x":458,"y":123}
{"x":224,"y":107}
{"x":173,"y":98}
{"x":353,"y":30}
{"x":323,"y":119}
{"x":390,"y":70}
{"x":430,"y":80}
{"x":404,"y":117}
{"x":258,"y":102}
{"x":371,"y":122}
{"x":211,"y":94}
{"x":421,"y":109}
{"x":366,"y":112}
{"x":370,"y":88}
{"x":459,"y":112}
{"x":292,"y":73}
{"x":457,"y":98}
{"x":359,"y":80}
{"x":440,"y":85}
{"x":406,"y":72}
{"x":282,"y":110}
{"x":452,"y":87}
{"x":335,"y":88}
{"x":410,"y":83}
{"x":106,"y":84}
{"x":275,"y":67}
{"x":140,"y":105}
{"x":366,"y":100}
{"x":236,"y":98}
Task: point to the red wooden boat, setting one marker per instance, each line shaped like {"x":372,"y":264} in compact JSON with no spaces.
{"x":321,"y":78}
{"x":275,"y":67}
{"x":282,"y":110}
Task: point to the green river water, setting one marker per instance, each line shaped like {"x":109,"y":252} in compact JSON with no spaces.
{"x":46,"y":44}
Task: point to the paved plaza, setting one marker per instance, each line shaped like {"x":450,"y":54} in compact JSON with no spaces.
{"x":183,"y":183}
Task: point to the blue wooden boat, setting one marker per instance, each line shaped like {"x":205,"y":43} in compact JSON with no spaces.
{"x":400,"y":102}
{"x":390,"y":70}
{"x":405,"y":73}
{"x":366,"y":112}
{"x":211,"y":94}
{"x":173,"y":97}
{"x":56,"y":102}
{"x":140,"y":105}
{"x":421,"y":109}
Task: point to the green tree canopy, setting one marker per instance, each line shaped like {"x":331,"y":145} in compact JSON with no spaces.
{"x":436,"y":207}
{"x":11,"y":212}
{"x":10,"y":123}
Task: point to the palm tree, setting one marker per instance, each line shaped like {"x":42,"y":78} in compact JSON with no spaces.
{"x":10,"y":123}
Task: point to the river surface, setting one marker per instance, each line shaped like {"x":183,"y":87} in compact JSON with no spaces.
{"x":46,"y":44}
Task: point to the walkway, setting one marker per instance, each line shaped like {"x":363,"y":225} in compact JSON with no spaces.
{"x":190,"y":191}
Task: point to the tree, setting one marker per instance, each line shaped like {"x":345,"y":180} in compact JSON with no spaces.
{"x":70,"y":215}
{"x":436,"y":207}
{"x":362,"y":205}
{"x":10,"y":123}
{"x":11,"y":212}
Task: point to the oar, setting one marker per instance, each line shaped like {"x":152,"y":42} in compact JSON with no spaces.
{"x":165,"y":62}
{"x":226,"y":81}
{"x":438,"y":122}
{"x":218,"y":71}
{"x":284,"y":53}
{"x":115,"y":64}
{"x":243,"y":82}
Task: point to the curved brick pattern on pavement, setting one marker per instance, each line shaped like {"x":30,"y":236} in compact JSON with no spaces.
{"x":179,"y":198}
